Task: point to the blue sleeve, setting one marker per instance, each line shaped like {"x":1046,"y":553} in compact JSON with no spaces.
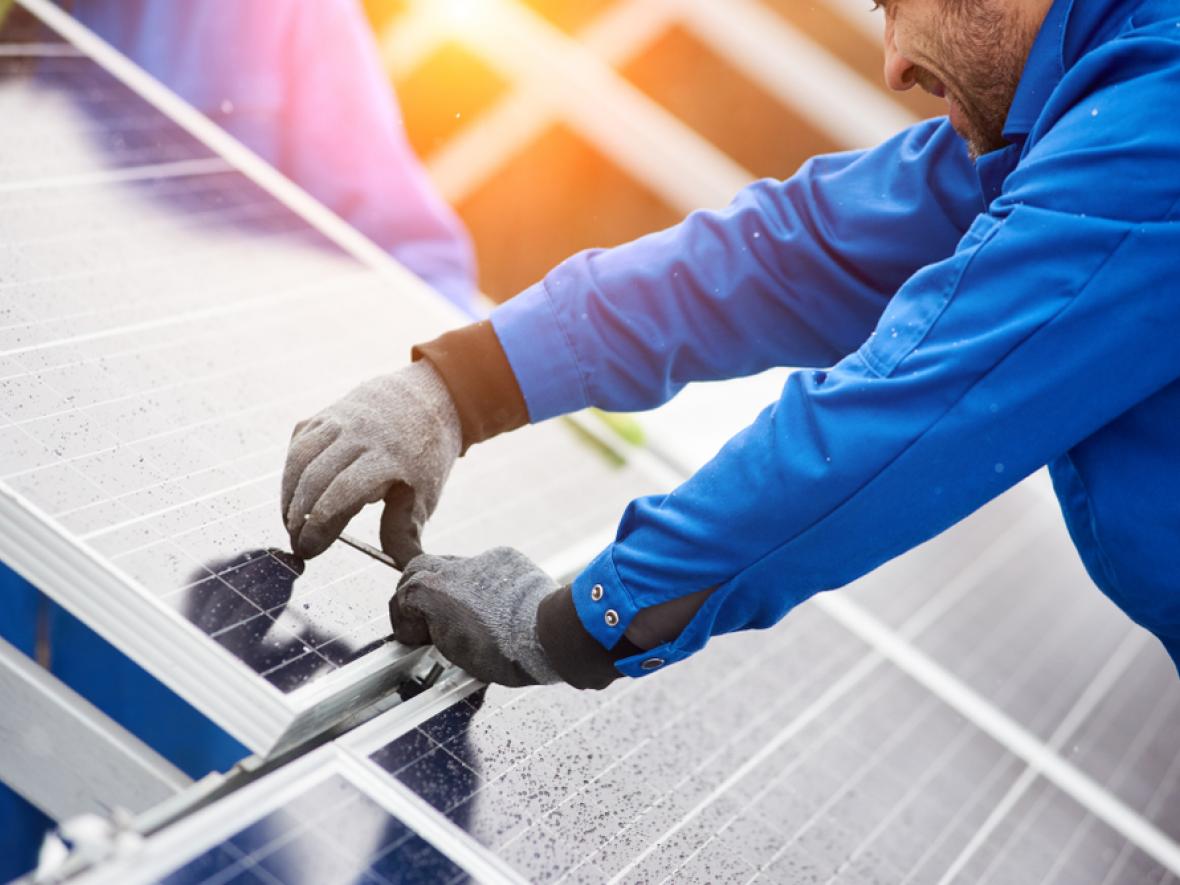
{"x":301,"y":85}
{"x":1056,"y":313}
{"x":791,"y":273}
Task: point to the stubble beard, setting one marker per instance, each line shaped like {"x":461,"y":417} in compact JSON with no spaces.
{"x":986,"y":52}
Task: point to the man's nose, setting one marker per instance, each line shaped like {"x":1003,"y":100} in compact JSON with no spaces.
{"x":899,"y":70}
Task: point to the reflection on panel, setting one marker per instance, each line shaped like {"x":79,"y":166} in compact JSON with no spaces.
{"x":333,"y":833}
{"x":56,"y":95}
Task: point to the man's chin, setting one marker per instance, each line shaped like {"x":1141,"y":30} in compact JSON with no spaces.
{"x":974,"y":148}
{"x":977,"y":143}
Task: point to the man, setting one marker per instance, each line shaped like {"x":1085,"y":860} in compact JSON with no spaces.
{"x":988,"y":294}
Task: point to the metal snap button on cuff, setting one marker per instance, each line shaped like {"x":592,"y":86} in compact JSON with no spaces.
{"x":596,"y":592}
{"x":611,"y":617}
{"x":652,"y":664}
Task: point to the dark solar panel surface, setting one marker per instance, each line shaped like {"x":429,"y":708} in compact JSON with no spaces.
{"x":333,"y":833}
{"x":164,"y":322}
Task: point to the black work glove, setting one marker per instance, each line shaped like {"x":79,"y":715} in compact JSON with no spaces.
{"x":480,"y":612}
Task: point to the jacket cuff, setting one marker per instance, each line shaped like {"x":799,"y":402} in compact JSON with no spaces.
{"x":479,"y":377}
{"x":577,"y":656}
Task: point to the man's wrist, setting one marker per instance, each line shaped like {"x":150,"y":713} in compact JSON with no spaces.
{"x":574,"y":654}
{"x":483,"y":387}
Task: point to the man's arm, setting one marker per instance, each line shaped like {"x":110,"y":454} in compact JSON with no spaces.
{"x":791,"y":273}
{"x":301,"y":84}
{"x":1054,"y":316}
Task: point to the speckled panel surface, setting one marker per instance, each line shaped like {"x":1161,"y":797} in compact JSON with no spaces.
{"x":795,"y":755}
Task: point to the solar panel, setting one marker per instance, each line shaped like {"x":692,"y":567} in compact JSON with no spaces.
{"x":165,"y":319}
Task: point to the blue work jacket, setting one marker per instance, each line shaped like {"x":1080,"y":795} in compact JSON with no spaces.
{"x":967,"y":323}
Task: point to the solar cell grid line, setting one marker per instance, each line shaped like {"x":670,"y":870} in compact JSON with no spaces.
{"x":1037,"y":640}
{"x":846,"y":782}
{"x":822,"y":801}
{"x":956,"y":822}
{"x":82,"y":203}
{"x":99,"y":237}
{"x":1039,"y":827}
{"x":1164,"y":792}
{"x":1114,"y":669}
{"x":175,"y":169}
{"x":19,"y":340}
{"x":161,"y":462}
{"x":36,"y":50}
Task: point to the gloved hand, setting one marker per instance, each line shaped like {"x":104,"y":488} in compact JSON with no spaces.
{"x":481,"y":613}
{"x":395,"y":438}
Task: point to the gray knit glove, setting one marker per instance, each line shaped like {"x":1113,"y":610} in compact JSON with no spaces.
{"x":394,"y":438}
{"x":481,"y":613}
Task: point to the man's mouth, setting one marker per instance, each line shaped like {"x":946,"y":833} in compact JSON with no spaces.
{"x":938,"y":89}
{"x":930,"y":83}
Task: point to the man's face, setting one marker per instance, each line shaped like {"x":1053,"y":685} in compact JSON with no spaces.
{"x":971,"y":52}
